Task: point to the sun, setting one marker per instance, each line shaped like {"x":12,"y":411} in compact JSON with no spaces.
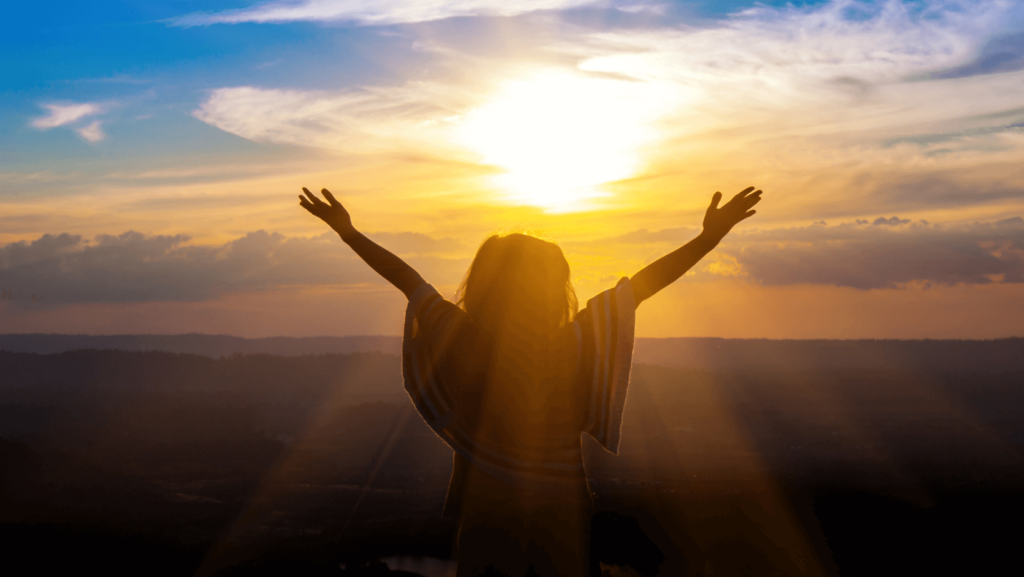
{"x":558,"y":137}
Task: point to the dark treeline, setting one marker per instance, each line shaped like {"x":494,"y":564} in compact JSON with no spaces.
{"x":163,"y":463}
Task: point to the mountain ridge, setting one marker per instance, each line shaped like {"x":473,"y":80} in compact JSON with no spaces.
{"x":693,"y":352}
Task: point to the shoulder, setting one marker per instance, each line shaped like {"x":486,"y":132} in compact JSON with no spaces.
{"x":609,"y":302}
{"x":429,"y":311}
{"x":422,"y":294}
{"x":425,"y":299}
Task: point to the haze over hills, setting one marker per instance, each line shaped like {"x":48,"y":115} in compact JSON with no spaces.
{"x":828,"y":451}
{"x":698,"y":353}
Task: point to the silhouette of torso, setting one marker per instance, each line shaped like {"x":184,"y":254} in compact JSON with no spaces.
{"x":517,"y":393}
{"x":512,"y":402}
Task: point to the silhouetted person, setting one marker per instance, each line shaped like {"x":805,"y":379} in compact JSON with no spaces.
{"x":509,"y":375}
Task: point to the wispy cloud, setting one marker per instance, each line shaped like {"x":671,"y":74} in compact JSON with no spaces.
{"x":71,"y":114}
{"x":61,"y":114}
{"x":838,"y":70}
{"x":809,"y":60}
{"x":815,"y":96}
{"x":373,"y":12}
{"x":374,"y":119}
{"x":1004,"y":53}
{"x":642,"y":8}
{"x":92,"y":132}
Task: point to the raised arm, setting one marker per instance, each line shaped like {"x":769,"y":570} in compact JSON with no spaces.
{"x":387,"y":265}
{"x":717,"y":223}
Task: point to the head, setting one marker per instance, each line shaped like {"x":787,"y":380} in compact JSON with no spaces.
{"x":518,"y":277}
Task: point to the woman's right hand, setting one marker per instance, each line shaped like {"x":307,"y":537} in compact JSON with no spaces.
{"x":334,"y":214}
{"x":719,"y":221}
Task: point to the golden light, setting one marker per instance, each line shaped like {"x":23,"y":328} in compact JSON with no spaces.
{"x":559,"y":136}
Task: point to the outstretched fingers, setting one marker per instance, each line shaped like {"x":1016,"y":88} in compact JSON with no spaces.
{"x":330,"y":197}
{"x":310,"y":202}
{"x":748,"y":200}
{"x":741,"y":195}
{"x":744,"y":202}
{"x":715,"y":200}
{"x":310,"y":208}
{"x":313,"y":198}
{"x":749,"y":203}
{"x":739,"y":198}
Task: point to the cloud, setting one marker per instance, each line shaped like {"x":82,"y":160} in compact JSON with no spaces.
{"x":815,"y":94}
{"x":93,"y":132}
{"x":759,"y":45}
{"x":891,"y":221}
{"x":819,"y":97}
{"x":70,"y":114}
{"x":642,"y":236}
{"x":894,"y":254}
{"x":373,"y":119}
{"x":836,"y":73}
{"x":373,"y":12}
{"x":769,"y":57}
{"x":134,"y":267}
{"x":412,"y":243}
{"x":642,"y":8}
{"x":879,"y":253}
{"x":941,"y":187}
{"x":61,"y":114}
{"x":1002,"y":54}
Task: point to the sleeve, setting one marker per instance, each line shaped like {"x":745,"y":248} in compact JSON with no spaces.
{"x":604,"y":336}
{"x":431,"y":323}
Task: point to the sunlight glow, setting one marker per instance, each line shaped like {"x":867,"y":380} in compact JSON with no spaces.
{"x":559,"y":137}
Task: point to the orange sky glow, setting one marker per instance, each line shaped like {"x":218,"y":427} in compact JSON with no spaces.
{"x":889,"y":155}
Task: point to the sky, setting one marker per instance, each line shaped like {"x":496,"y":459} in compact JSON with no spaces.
{"x":151,"y":154}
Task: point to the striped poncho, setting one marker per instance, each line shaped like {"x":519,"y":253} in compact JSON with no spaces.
{"x":507,"y":434}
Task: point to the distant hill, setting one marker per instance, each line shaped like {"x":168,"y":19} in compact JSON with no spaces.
{"x":699,"y":353}
{"x":199,"y":344}
{"x":1000,"y":355}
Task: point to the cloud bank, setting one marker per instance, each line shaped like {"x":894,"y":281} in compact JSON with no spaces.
{"x":886,"y":253}
{"x":133,"y":267}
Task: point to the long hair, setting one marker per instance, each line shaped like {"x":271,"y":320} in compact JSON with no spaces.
{"x":518,"y":280}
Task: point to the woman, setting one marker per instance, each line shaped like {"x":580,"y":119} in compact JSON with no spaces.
{"x":509,"y":375}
